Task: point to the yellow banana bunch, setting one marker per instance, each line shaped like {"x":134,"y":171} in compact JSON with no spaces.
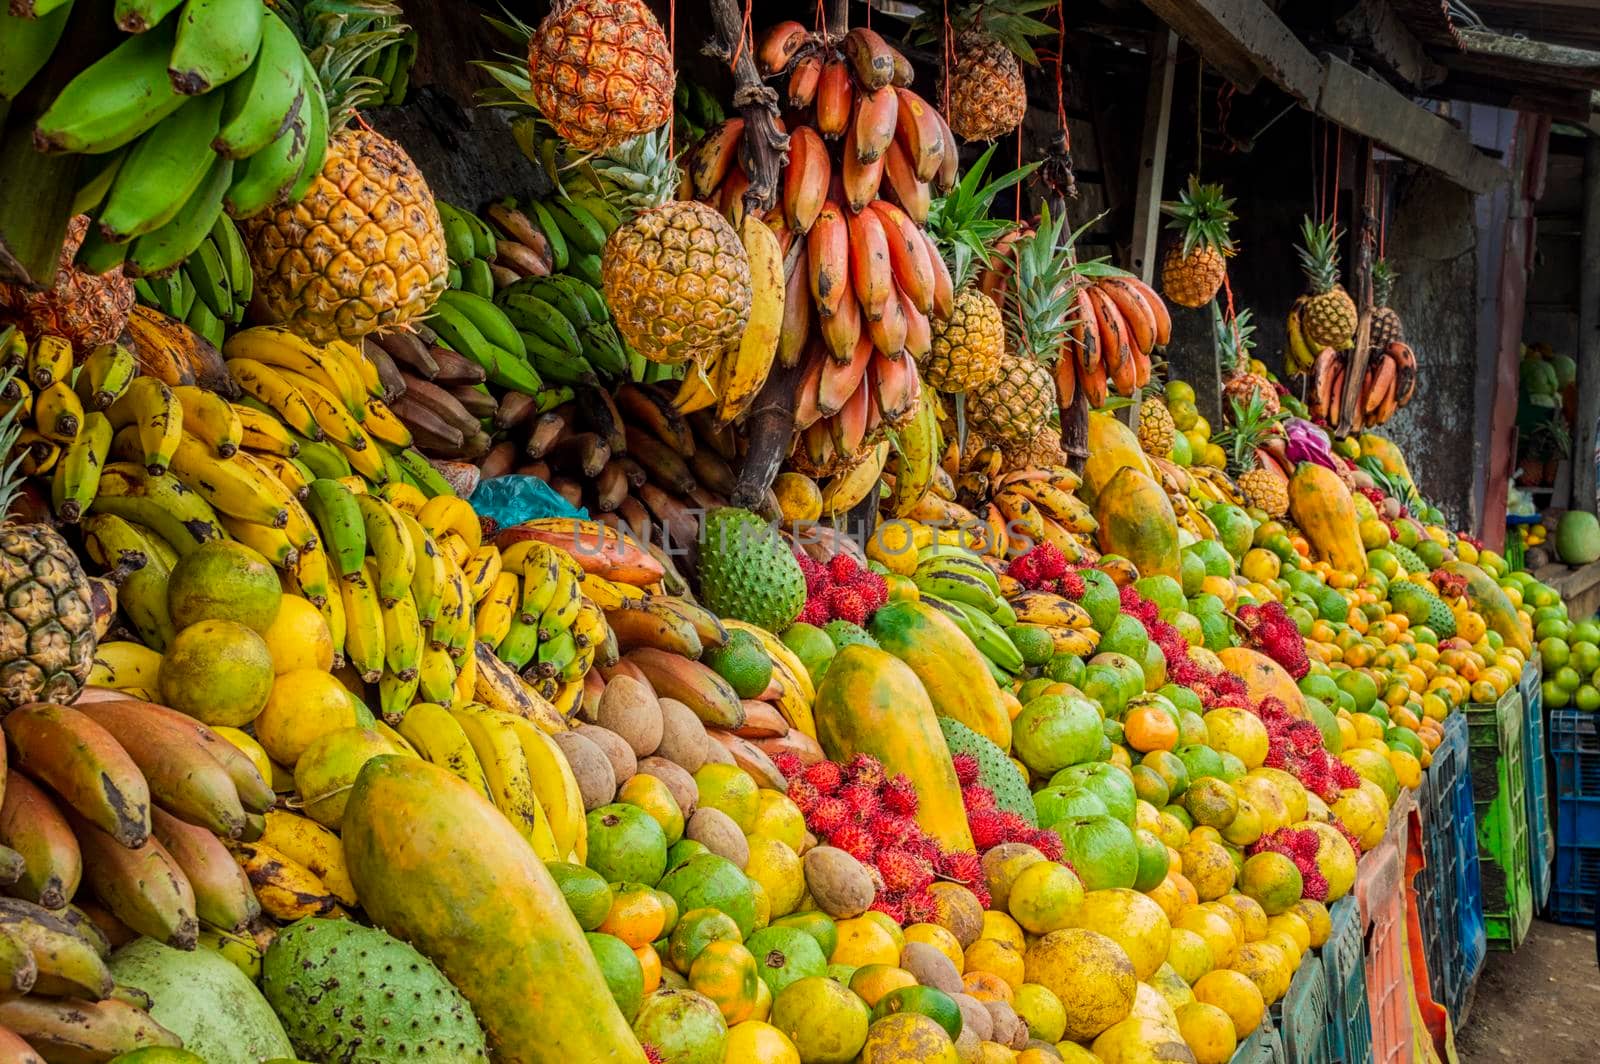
{"x":845,"y":490}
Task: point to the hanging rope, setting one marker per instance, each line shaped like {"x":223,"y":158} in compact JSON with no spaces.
{"x":1061,"y":87}
{"x":1338,"y":160}
{"x":1199,"y":114}
{"x":820,"y":23}
{"x":949,"y":49}
{"x":744,"y":34}
{"x":672,"y":52}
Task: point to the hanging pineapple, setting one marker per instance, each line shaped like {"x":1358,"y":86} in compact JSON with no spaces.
{"x":969,"y":342}
{"x":1386,"y":326}
{"x":1327,"y":313}
{"x":988,"y":97}
{"x":1243,"y":378}
{"x":600,"y":71}
{"x":1195,"y":265}
{"x":1261,"y":480}
{"x":1039,"y":303}
{"x":87,"y":309}
{"x":364,"y":250}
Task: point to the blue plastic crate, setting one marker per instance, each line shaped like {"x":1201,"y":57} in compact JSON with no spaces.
{"x":1302,"y":1016}
{"x":1439,"y":885}
{"x":1262,"y":1047}
{"x":1535,"y":782}
{"x":1344,"y":968}
{"x":1575,"y":749}
{"x":1577,"y":885}
{"x":1471,"y":937}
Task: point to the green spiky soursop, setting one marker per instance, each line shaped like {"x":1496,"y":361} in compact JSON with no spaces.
{"x":318,"y":974}
{"x":747,"y":571}
{"x":847,"y":634}
{"x":995,"y":769}
{"x":1408,"y":558}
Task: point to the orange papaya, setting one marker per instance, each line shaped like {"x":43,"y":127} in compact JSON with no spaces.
{"x":1112,"y":446}
{"x":871,"y":702}
{"x":951,"y":668}
{"x":1264,"y":678}
{"x":1490,"y":601}
{"x":436,"y":865}
{"x":1321,"y":505}
{"x":1137,"y":522}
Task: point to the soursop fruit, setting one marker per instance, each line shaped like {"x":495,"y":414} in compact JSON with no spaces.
{"x":995,"y":769}
{"x":747,"y":571}
{"x":320,"y":974}
{"x":1408,"y":558}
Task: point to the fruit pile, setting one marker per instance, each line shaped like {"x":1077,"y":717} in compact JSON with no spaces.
{"x":1060,"y":763}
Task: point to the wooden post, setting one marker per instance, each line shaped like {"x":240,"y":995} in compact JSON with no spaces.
{"x":1583,"y":436}
{"x":1153,"y":153}
{"x":764,"y":149}
{"x":1362,"y":219}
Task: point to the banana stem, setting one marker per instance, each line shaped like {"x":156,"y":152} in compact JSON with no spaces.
{"x":770,"y":428}
{"x":763,"y":149}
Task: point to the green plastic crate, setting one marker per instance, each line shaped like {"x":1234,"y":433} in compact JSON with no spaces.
{"x":1499,"y":799}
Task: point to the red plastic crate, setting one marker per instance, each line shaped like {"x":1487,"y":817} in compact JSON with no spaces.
{"x":1380,"y":893}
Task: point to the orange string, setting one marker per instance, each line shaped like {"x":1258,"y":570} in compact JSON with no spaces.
{"x":820,"y":23}
{"x":949,"y":55}
{"x":1338,"y":159}
{"x":744,"y":34}
{"x":1061,"y":89}
{"x":672,"y":50}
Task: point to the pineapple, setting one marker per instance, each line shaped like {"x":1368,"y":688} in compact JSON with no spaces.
{"x":967,"y":346}
{"x":1195,"y":266}
{"x":1156,"y":427}
{"x":47,"y":629}
{"x":674,"y":272}
{"x":1041,"y":452}
{"x":86,"y":309}
{"x":1012,"y":408}
{"x":1240,"y":382}
{"x":364,"y":249}
{"x":1262,"y":487}
{"x":1386,"y":326}
{"x":1328,"y":314}
{"x":600,"y":72}
{"x":988,"y":97}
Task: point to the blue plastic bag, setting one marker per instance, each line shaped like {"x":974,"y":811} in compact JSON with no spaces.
{"x":511,"y":500}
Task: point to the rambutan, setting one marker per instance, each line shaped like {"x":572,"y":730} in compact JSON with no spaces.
{"x":1052,"y":563}
{"x":816,"y":611}
{"x":1345,"y":776}
{"x":856,"y":841}
{"x":827,"y":815}
{"x":903,"y":870}
{"x":899,"y":796}
{"x":1305,"y":737}
{"x":825,"y":776}
{"x":1024,"y":569}
{"x":847,"y":604}
{"x":1071,"y":586}
{"x":787,"y":763}
{"x":894,"y":831}
{"x":652,"y":1054}
{"x":863,"y":801}
{"x":802,"y":794}
{"x":890,"y":906}
{"x":866,"y":770}
{"x":976,"y":797}
{"x":842,"y":568}
{"x":967,"y":769}
{"x":963,"y":866}
{"x":1016,"y":828}
{"x":1046,"y":842}
{"x":987,"y":827}
{"x":1313,"y":884}
{"x":873,"y":589}
{"x":921,"y":907}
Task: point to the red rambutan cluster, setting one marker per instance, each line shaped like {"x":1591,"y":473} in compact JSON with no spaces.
{"x":1270,"y":629}
{"x":1141,"y":608}
{"x":967,"y":769}
{"x":1041,"y":568}
{"x":841,"y":589}
{"x":1300,"y":845}
{"x":1296,"y":747}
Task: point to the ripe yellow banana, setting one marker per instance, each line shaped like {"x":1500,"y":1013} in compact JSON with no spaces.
{"x":556,"y":787}
{"x":210,"y":417}
{"x":152,"y":408}
{"x":748,"y":365}
{"x":390,"y":543}
{"x":493,"y":618}
{"x":438,"y":737}
{"x":264,"y":434}
{"x":363,"y":640}
{"x":402,"y":636}
{"x":480,"y":571}
{"x":122,"y":664}
{"x":448,"y":513}
{"x":287,"y":889}
{"x":498,"y":687}
{"x":429,"y":576}
{"x":269,"y":387}
{"x":283,"y":349}
{"x":505,"y":768}
{"x":436,"y":675}
{"x":407,"y":498}
{"x":313,"y":846}
{"x":848,"y":488}
{"x":609,"y":594}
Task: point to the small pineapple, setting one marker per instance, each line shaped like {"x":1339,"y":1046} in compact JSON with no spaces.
{"x":600,"y":71}
{"x":1039,"y":304}
{"x":1240,"y":383}
{"x":674,"y":273}
{"x":47,"y":624}
{"x":1259,"y":481}
{"x":364,"y":249}
{"x":967,"y":345}
{"x":1386,"y":326}
{"x":86,"y":309}
{"x":1328,"y":315}
{"x":1195,"y":266}
{"x":1156,"y":427}
{"x":988,"y":97}
{"x":1041,"y":452}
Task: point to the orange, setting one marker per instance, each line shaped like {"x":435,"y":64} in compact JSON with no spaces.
{"x":986,"y":986}
{"x":1149,"y":727}
{"x":1208,"y":1031}
{"x":650,"y":964}
{"x":1235,"y":994}
{"x":989,"y":956}
{"x":637,"y":917}
{"x":726,"y":973}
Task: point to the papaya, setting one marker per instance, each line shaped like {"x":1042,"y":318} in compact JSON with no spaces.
{"x":1489,"y":600}
{"x":871,"y":702}
{"x":1112,"y":446}
{"x":1321,"y":505}
{"x":1137,"y":522}
{"x":437,"y":865}
{"x":1264,"y":678}
{"x":951,"y":668}
{"x":1388,"y":456}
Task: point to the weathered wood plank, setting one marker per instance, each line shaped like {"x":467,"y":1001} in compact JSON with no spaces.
{"x":1153,"y":153}
{"x":1377,"y":32}
{"x":1588,"y":405}
{"x":1245,"y":41}
{"x":1374,"y":109}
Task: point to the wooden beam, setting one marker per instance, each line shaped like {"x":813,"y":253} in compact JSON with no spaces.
{"x":1588,"y":405}
{"x":1377,"y":32}
{"x":1153,"y":153}
{"x":1245,"y":41}
{"x":1374,"y":109}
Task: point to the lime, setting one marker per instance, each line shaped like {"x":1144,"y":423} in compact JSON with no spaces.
{"x":742,"y":662}
{"x":586,"y":892}
{"x":1125,"y":635}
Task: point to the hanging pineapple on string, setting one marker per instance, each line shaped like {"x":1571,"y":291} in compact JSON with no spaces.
{"x":600,"y":71}
{"x":1326,"y":313}
{"x":1242,"y":376}
{"x":1386,"y":325}
{"x":988,"y":97}
{"x":1195,"y":265}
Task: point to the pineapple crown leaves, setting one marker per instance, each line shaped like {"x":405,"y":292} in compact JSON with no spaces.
{"x":1008,"y":21}
{"x":10,"y":432}
{"x":1235,"y":339}
{"x":340,"y":38}
{"x":1319,"y":254}
{"x":1040,"y":299}
{"x":1251,"y":424}
{"x":512,"y":89}
{"x":1202,"y":214}
{"x":959,"y":220}
{"x":1383,"y":279}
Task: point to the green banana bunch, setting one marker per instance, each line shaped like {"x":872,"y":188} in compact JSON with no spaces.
{"x":211,"y":289}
